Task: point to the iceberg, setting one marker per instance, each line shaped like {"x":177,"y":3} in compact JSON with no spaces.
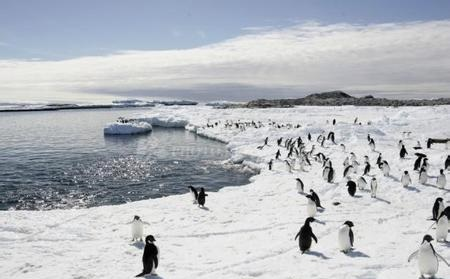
{"x":127,"y":128}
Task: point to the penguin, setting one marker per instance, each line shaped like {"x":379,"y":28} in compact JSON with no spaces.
{"x":427,"y":258}
{"x":442,"y":225}
{"x":334,"y":121}
{"x":438,"y":207}
{"x":418,"y":161}
{"x":372,"y":144}
{"x":278,"y":154}
{"x":423,"y":176}
{"x":316,"y":198}
{"x":355,"y":166}
{"x":362,"y":183}
{"x":331,"y":137}
{"x":406,"y":179}
{"x":202,"y":197}
{"x":403,"y":152}
{"x":345,"y":237}
{"x":306,"y":235}
{"x":425,"y":164}
{"x":351,"y":188}
{"x":385,"y":168}
{"x":366,"y":169}
{"x":137,"y":228}
{"x":373,"y":187}
{"x":311,"y":207}
{"x":309,"y":136}
{"x":300,"y":186}
{"x":150,"y":258}
{"x":194,"y":194}
{"x":379,"y":159}
{"x":352,"y":156}
{"x":368,"y":137}
{"x":342,"y":147}
{"x":447,"y":163}
{"x":441,"y":180}
{"x":328,"y":174}
{"x":270,"y":164}
{"x":418,"y":146}
{"x":347,"y":171}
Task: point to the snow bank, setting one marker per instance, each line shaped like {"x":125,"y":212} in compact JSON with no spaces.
{"x":129,"y":128}
{"x":248,"y":231}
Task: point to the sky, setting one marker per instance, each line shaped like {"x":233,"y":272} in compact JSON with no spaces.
{"x":207,"y":50}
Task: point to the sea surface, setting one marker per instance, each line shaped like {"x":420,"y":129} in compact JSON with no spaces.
{"x":61,"y":159}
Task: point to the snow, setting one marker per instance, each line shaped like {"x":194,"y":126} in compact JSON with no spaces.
{"x":248,"y":231}
{"x":128,"y":128}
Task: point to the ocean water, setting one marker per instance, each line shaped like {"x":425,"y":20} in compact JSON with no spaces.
{"x":61,"y":159}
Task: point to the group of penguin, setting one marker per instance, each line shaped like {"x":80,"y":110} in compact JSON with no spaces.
{"x":297,"y":154}
{"x":426,"y":255}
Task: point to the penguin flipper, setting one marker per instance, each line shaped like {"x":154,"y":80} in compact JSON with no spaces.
{"x":314,"y":237}
{"x":140,"y":274}
{"x":351,"y":237}
{"x":413,"y":255}
{"x":441,"y":258}
{"x":298,"y":234}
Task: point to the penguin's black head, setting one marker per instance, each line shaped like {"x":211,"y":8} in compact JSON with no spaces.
{"x":447,"y":212}
{"x":136,"y":217}
{"x":427,"y":238}
{"x":350,"y":183}
{"x":439,"y":199}
{"x":149,"y":239}
{"x":311,"y":191}
{"x":202,"y":189}
{"x":441,"y":171}
{"x":406,"y":172}
{"x":309,"y":197}
{"x":309,"y":220}
{"x":348,"y":223}
{"x":298,"y":179}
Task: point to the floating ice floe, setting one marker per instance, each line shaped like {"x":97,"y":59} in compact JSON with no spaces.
{"x":128,"y":128}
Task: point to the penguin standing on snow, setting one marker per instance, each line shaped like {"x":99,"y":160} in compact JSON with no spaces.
{"x":300,"y":186}
{"x":438,"y":207}
{"x":366,"y":169}
{"x":202,"y":197}
{"x":270,"y":164}
{"x":351,"y":188}
{"x":311,"y":207}
{"x":150,"y":257}
{"x":406,"y":179}
{"x":316,"y":198}
{"x":345,"y":237}
{"x":427,"y":258}
{"x":347,"y":171}
{"x":418,"y":161}
{"x":442,"y":225}
{"x":403,"y":152}
{"x":194,"y":194}
{"x":306,"y":235}
{"x":372,"y":144}
{"x":441,"y":180}
{"x":373,"y":187}
{"x":137,"y":228}
{"x":423,"y":176}
{"x":385,"y":168}
{"x":362,"y":183}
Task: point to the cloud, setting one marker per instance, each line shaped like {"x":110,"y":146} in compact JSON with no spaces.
{"x":395,"y":58}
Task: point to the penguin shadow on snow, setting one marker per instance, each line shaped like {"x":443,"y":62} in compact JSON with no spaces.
{"x":434,"y":186}
{"x":382,"y":200}
{"x":138,"y":244}
{"x":412,"y":189}
{"x":204,"y":208}
{"x":317,"y":254}
{"x":356,"y":254}
{"x":396,"y":179}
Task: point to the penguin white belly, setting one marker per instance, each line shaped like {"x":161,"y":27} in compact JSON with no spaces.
{"x":427,"y":261}
{"x":311,"y":208}
{"x":137,"y":229}
{"x":194,"y":200}
{"x":325,"y":173}
{"x":373,"y":189}
{"x":423,"y":178}
{"x":361,"y":184}
{"x":405,"y":181}
{"x":344,"y":238}
{"x":386,"y":170}
{"x":442,"y":229}
{"x":299,"y":187}
{"x":441,"y":181}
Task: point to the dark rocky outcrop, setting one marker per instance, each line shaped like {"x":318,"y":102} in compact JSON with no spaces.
{"x":340,"y":98}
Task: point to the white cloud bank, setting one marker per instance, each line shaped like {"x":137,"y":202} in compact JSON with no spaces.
{"x":389,"y":58}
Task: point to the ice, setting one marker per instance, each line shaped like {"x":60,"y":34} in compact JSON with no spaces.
{"x":129,"y":128}
{"x":248,"y":231}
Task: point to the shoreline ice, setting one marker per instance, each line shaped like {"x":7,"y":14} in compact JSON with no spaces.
{"x":248,"y":231}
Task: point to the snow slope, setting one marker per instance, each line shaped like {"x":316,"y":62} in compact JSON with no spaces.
{"x":248,"y":231}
